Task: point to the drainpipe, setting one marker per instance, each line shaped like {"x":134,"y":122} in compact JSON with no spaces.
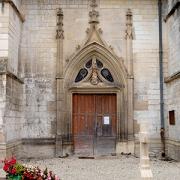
{"x":162,"y":130}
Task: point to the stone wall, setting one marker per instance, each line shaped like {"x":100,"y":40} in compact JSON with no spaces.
{"x":11,"y":86}
{"x":14,"y":115}
{"x":172,"y":79}
{"x":39,"y":45}
{"x":29,"y":49}
{"x":14,"y":30}
{"x":4,"y":24}
{"x":173,"y":38}
{"x":2,"y":109}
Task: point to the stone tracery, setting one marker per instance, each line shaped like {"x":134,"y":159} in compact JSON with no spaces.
{"x":95,"y":68}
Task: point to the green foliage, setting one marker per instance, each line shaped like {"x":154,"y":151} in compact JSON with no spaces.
{"x":46,"y":172}
{"x":19,"y":168}
{"x":13,"y":177}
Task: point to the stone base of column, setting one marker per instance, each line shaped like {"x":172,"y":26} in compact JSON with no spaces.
{"x":125,"y":147}
{"x":59,"y":146}
{"x":146,"y":174}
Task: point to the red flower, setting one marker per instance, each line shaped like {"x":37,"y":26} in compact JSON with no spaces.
{"x":6,"y":161}
{"x":13,"y":171}
{"x":6,"y":167}
{"x":12,"y":161}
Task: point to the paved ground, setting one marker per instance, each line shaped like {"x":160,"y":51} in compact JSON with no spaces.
{"x":119,"y":168}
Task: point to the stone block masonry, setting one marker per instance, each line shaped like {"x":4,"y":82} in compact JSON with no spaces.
{"x":38,"y":51}
{"x":12,"y":85}
{"x":28,"y":54}
{"x":173,"y":78}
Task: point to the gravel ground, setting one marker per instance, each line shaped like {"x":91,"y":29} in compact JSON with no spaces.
{"x":107,"y":168}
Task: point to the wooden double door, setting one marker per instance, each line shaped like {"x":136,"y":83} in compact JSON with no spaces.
{"x":94,"y":124}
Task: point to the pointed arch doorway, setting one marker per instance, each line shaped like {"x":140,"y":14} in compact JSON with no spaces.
{"x":95,"y":99}
{"x":94,"y":124}
{"x":96,"y":81}
{"x":94,"y":72}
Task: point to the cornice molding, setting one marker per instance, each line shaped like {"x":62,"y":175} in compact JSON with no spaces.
{"x":5,"y":71}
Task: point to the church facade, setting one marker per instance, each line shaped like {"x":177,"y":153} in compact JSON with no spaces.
{"x":80,"y":76}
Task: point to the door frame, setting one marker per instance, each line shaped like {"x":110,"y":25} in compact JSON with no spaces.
{"x":120,"y":108}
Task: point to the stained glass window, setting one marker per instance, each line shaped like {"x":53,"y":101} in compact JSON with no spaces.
{"x":81,"y":75}
{"x":89,"y":64}
{"x":99,"y":64}
{"x":107,"y":75}
{"x":83,"y":72}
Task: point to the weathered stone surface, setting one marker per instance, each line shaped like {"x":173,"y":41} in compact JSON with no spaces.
{"x":145,"y":169}
{"x":29,"y":110}
{"x":173,"y":87}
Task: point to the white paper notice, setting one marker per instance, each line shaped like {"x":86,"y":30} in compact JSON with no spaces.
{"x":106,"y":120}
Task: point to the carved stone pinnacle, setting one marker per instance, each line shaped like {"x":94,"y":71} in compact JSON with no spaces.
{"x":129,"y":13}
{"x":93,"y":17}
{"x":129,"y":28}
{"x":59,"y":12}
{"x":93,"y":4}
{"x":129,"y":17}
{"x":59,"y":31}
{"x":93,"y":14}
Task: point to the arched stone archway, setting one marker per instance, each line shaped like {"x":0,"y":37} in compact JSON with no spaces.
{"x":118,"y":87}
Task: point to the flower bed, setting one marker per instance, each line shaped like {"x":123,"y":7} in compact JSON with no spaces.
{"x":18,"y":171}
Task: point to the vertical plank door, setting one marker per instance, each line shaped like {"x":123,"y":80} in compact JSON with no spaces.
{"x":94,"y":124}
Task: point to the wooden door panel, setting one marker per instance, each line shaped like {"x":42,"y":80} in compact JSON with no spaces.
{"x":91,"y":135}
{"x":83,"y":145}
{"x":83,"y":125}
{"x":106,"y":137}
{"x":104,"y":145}
{"x":106,"y":106}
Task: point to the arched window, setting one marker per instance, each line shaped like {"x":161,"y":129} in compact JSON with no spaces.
{"x":89,"y":64}
{"x":107,"y":75}
{"x":81,"y":75}
{"x":99,"y":64}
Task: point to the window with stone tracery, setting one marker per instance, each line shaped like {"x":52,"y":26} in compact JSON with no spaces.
{"x":94,"y":67}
